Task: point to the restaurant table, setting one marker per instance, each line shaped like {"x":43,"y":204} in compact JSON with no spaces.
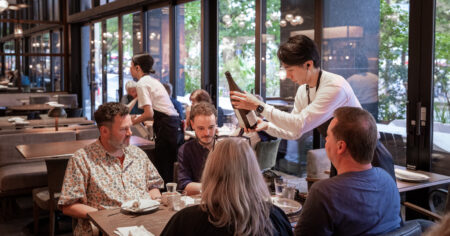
{"x":31,"y":107}
{"x":435,"y":179}
{"x":109,"y":220}
{"x":66,"y":149}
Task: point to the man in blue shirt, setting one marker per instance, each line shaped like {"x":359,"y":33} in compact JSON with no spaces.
{"x":192,"y":155}
{"x":361,"y":199}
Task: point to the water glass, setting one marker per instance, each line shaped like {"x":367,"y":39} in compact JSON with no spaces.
{"x":280,"y":184}
{"x":171,"y":187}
{"x":179,"y":203}
{"x":289,"y":191}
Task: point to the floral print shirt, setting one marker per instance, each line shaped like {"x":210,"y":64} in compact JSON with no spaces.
{"x":97,"y":179}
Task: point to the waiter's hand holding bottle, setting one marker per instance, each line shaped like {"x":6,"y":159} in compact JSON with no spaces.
{"x":248,"y":102}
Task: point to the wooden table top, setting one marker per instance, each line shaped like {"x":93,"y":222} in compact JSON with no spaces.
{"x":45,"y":122}
{"x":31,"y":107}
{"x":67,"y":148}
{"x":108,"y":220}
{"x":435,"y":179}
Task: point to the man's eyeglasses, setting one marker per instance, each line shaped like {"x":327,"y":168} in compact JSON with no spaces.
{"x":220,"y":138}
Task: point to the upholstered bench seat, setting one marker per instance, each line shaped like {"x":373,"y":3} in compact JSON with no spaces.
{"x":23,"y":176}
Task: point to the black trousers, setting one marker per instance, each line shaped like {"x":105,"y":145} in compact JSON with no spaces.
{"x":167,"y":130}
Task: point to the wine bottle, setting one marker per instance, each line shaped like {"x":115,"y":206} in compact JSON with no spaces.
{"x":247,"y":119}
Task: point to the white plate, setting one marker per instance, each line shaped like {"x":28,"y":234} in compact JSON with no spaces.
{"x":410,"y":176}
{"x":289,"y":206}
{"x":21,"y":122}
{"x":144,"y":205}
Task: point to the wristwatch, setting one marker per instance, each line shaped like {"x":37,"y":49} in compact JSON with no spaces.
{"x":260,"y":109}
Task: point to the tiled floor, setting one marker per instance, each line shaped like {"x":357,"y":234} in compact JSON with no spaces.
{"x":21,"y":222}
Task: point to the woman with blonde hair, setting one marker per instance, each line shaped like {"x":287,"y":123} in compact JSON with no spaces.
{"x":235,"y":198}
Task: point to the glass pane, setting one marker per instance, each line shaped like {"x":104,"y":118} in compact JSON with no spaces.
{"x":57,"y":73}
{"x":158,"y":41}
{"x":96,"y":72}
{"x":131,"y":25}
{"x":46,"y":79}
{"x":85,"y":72}
{"x":188,"y":43}
{"x":56,"y":41}
{"x":111,"y":46}
{"x":85,"y":4}
{"x":441,"y":125}
{"x":368,"y":45}
{"x":236,"y":48}
{"x":283,"y":19}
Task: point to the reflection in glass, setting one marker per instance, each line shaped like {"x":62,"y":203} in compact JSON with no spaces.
{"x":188,"y":47}
{"x":131,"y":45}
{"x":96,"y":53}
{"x":236,"y":47}
{"x":441,"y":125}
{"x":158,"y":41}
{"x":111,"y":47}
{"x":369,"y":49}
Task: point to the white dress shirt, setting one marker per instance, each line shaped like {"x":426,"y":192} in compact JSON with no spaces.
{"x":333,"y":92}
{"x":151,"y":92}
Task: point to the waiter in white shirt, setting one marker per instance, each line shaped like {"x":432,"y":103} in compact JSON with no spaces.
{"x":155,"y":101}
{"x":319,"y":94}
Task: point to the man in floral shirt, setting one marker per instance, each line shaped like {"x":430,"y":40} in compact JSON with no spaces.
{"x":108,"y":172}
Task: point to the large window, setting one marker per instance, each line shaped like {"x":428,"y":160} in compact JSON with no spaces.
{"x":111,"y":49}
{"x":188,"y":47}
{"x":236,"y":47}
{"x":158,"y":41}
{"x":441,"y":125}
{"x":130,"y":44}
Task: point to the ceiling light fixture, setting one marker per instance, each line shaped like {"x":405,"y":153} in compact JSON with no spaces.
{"x":3,"y":5}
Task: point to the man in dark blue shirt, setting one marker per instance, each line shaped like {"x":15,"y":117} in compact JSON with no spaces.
{"x":361,"y":199}
{"x":192,"y":155}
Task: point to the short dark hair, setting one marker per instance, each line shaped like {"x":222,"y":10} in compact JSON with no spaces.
{"x":204,"y":109}
{"x":145,"y":61}
{"x":200,"y":95}
{"x":358,"y":129}
{"x":297,"y":50}
{"x":106,"y":112}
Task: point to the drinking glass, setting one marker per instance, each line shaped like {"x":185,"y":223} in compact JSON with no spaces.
{"x":280,"y":184}
{"x":289,"y":191}
{"x":171,"y":187}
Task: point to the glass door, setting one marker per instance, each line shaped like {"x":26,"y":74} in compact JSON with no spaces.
{"x":96,"y":65}
{"x":370,"y":50}
{"x":440,"y":158}
{"x":111,"y":50}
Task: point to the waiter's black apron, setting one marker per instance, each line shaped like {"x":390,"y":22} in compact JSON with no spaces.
{"x":381,"y":157}
{"x":167,"y":131}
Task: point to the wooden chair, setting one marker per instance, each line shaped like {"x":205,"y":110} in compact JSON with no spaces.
{"x":47,"y":198}
{"x":433,"y":213}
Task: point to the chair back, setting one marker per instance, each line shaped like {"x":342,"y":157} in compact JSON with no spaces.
{"x":70,"y":100}
{"x":411,"y":228}
{"x":39,"y":99}
{"x":56,"y":169}
{"x":266,"y":152}
{"x":74,"y":112}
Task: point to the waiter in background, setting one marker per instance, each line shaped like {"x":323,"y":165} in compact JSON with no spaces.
{"x":155,"y":101}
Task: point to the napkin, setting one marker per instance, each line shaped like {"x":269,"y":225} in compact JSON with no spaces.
{"x":133,"y":231}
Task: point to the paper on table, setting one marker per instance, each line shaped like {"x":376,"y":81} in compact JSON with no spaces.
{"x":133,"y":231}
